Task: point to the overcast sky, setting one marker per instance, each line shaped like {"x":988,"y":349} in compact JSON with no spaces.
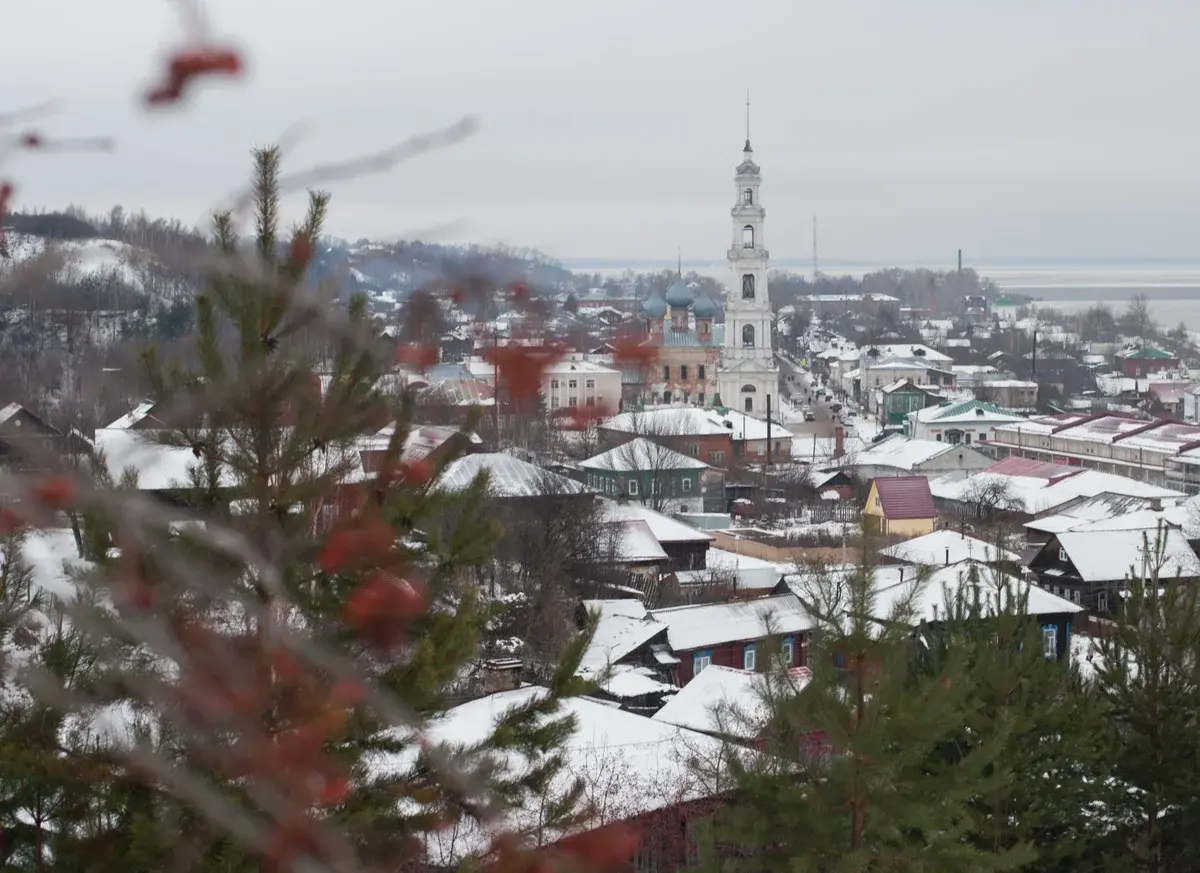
{"x":1010,"y":128}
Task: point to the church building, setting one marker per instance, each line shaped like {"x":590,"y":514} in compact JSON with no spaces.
{"x":699,"y":362}
{"x":748,"y":379}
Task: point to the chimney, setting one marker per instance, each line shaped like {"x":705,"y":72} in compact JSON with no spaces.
{"x":947,"y":556}
{"x":839,"y":441}
{"x":1156,"y":504}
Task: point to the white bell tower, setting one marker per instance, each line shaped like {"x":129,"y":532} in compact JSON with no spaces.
{"x":748,"y":374}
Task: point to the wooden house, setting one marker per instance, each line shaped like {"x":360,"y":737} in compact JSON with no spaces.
{"x":900,"y":506}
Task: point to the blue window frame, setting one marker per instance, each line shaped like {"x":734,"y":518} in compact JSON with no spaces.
{"x":749,"y":657}
{"x":787,"y":649}
{"x":700,"y":660}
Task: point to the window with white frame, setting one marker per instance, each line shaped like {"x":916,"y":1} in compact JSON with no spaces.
{"x":571,"y":383}
{"x":700,"y":660}
{"x":590,"y":383}
{"x":687,"y":484}
{"x":1050,"y":642}
{"x":1062,"y":555}
{"x":1075,"y":596}
{"x":749,"y":656}
{"x":1102,"y":601}
{"x":787,"y":651}
{"x":633,"y":488}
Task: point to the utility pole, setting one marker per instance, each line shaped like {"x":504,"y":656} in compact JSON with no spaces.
{"x":960,"y":260}
{"x":768,"y":432}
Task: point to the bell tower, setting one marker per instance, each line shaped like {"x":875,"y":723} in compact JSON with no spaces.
{"x":748,"y":373}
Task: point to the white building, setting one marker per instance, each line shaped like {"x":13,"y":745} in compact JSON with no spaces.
{"x":970,"y":422}
{"x":575,"y":383}
{"x":748,"y":379}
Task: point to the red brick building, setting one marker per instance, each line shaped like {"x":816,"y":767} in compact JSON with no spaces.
{"x":735,"y":634}
{"x":1145,"y":361}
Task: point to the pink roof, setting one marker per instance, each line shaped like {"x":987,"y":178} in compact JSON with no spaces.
{"x":905,"y":497}
{"x":1016,"y":466}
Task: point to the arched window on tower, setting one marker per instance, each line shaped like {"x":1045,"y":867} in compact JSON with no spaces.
{"x":747,"y":397}
{"x":748,"y":237}
{"x":748,"y":286}
{"x":748,"y":336}
{"x":748,"y":197}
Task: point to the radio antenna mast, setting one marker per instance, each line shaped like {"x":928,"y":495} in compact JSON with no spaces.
{"x":816,"y":273}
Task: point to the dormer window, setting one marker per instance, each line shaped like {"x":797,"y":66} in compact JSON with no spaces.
{"x":748,"y":197}
{"x":748,"y":237}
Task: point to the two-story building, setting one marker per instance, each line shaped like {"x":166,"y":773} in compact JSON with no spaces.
{"x":1091,"y":567}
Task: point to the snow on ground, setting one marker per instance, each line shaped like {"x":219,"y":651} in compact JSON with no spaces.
{"x":81,"y":258}
{"x":1085,"y":653}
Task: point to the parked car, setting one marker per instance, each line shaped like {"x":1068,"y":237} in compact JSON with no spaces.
{"x":808,"y":414}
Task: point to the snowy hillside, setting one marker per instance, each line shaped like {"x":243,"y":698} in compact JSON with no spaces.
{"x":110,"y":262}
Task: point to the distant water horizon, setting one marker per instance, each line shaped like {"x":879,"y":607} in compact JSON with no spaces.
{"x":1171,"y":286}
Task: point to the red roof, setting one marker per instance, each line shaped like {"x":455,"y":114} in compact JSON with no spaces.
{"x":1018,"y":466}
{"x":905,"y":497}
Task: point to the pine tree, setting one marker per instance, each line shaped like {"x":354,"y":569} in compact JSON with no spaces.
{"x":854,"y":774}
{"x":1039,"y":793}
{"x":1149,"y":686}
{"x":336,"y":605}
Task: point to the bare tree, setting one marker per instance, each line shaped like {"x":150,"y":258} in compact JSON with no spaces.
{"x":990,"y":497}
{"x":653,"y":459}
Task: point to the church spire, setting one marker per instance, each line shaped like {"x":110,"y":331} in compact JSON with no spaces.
{"x":679,"y":255}
{"x":747,"y":148}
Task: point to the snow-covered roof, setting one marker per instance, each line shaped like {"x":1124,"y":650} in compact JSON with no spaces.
{"x":635,"y":763}
{"x":935,"y":593}
{"x":1104,"y":555}
{"x":664,"y":528}
{"x":694,"y":421}
{"x":159,"y":467}
{"x":909,"y":351}
{"x":902,"y":453}
{"x":622,"y":627}
{"x":970,"y":412}
{"x":720,"y":700}
{"x":749,"y":573}
{"x":628,"y":680}
{"x":566,"y":367}
{"x":129,"y":419}
{"x":812,"y":449}
{"x":1037,"y":494}
{"x":642,"y":454}
{"x":946,"y":547}
{"x":635,"y":543}
{"x":507,"y":476}
{"x":711,"y":624}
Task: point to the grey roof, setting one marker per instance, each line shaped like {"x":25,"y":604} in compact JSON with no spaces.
{"x":508,"y":476}
{"x":680,"y":294}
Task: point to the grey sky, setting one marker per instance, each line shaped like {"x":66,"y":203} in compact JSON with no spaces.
{"x":1007,"y":127}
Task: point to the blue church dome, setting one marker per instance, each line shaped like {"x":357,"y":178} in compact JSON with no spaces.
{"x":654,"y":306}
{"x":704,"y":307}
{"x":679,"y":294}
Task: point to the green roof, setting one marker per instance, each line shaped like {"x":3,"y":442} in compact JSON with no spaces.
{"x":968,"y":405}
{"x":1149,"y":354}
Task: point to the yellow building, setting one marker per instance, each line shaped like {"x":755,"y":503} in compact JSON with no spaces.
{"x":899,"y":506}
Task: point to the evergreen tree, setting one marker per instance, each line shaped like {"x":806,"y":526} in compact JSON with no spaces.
{"x":282,"y":663}
{"x":855,"y":773}
{"x":1040,"y":792}
{"x":1149,"y":686}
